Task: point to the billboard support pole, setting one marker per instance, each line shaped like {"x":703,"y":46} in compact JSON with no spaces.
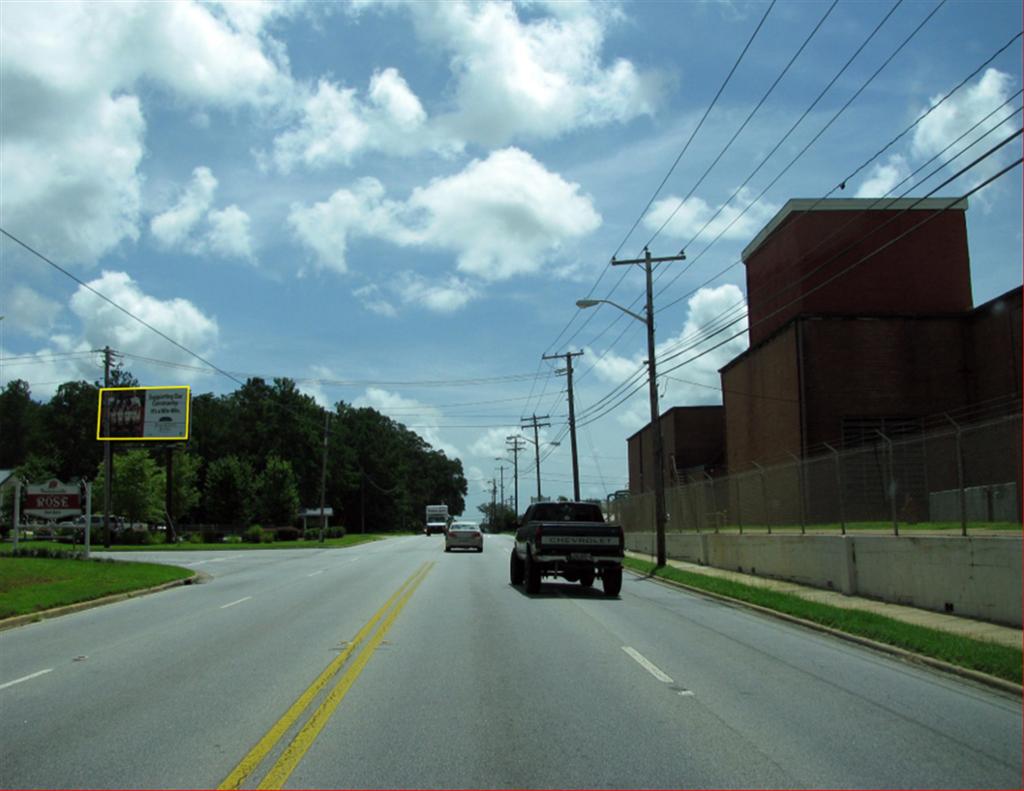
{"x":88,"y":514}
{"x":17,"y":511}
{"x":108,"y":472}
{"x":170,"y":533}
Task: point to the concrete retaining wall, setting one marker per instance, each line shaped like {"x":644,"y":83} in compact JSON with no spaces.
{"x":977,"y":577}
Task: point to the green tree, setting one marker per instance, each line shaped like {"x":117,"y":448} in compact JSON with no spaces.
{"x":184,"y":483}
{"x":278,"y":495}
{"x":500,"y":517}
{"x":228,"y":496}
{"x":20,"y":422}
{"x":137,"y":493}
{"x":70,"y":430}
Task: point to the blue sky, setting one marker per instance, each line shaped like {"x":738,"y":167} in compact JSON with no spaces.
{"x":399,"y":203}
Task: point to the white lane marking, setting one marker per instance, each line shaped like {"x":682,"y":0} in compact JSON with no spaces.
{"x":215,"y":560}
{"x":26,"y":678}
{"x":315,"y":573}
{"x":645,"y":663}
{"x":232,"y":604}
{"x":686,"y":693}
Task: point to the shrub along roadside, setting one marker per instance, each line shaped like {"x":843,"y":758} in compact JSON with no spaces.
{"x":997,"y":660}
{"x":33,"y":584}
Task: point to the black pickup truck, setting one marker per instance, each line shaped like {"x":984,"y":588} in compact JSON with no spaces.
{"x":569,"y":540}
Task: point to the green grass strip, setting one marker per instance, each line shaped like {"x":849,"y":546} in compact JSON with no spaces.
{"x":29,"y":585}
{"x":992,"y":658}
{"x":185,"y":546}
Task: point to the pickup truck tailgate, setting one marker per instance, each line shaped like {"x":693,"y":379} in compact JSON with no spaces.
{"x":579,"y":537}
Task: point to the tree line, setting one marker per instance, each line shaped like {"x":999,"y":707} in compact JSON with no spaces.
{"x":254,"y":456}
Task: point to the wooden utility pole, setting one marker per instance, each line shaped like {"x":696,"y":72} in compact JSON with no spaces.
{"x":108,"y":466}
{"x":323,"y":477}
{"x":516,"y":447}
{"x":536,"y":443}
{"x":647,"y":262}
{"x":572,"y":417}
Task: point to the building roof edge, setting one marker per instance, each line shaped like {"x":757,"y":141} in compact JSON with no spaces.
{"x":794,"y":205}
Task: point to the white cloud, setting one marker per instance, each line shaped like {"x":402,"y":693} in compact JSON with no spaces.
{"x":729,"y":220}
{"x":503,"y":216}
{"x":103,"y":324}
{"x":29,"y":311}
{"x":192,"y":225}
{"x":336,"y":125}
{"x":73,"y":131}
{"x":447,"y":296}
{"x":174,"y":226}
{"x":361,"y":210}
{"x":371,"y":299}
{"x":48,"y":368}
{"x":538,"y":78}
{"x":706,"y":309}
{"x":883,"y":177}
{"x":492,"y":445}
{"x":960,"y":112}
{"x":315,"y":390}
{"x":419,"y":417}
{"x":229,"y":233}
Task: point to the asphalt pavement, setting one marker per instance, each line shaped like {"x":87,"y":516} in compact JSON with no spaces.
{"x":394,"y":664}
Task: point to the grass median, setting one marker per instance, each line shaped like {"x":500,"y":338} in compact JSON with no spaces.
{"x":997,"y":660}
{"x":33,"y":584}
{"x":187,"y":546}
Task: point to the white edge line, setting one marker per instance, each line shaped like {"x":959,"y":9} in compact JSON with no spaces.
{"x":315,"y":573}
{"x":26,"y":678}
{"x":649,"y":666}
{"x":232,"y":604}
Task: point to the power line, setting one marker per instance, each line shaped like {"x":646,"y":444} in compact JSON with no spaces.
{"x":671,"y":169}
{"x":806,"y":112}
{"x":834,"y":233}
{"x":843,"y":271}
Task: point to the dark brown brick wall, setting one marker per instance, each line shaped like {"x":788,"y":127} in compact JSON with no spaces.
{"x":928,"y":272}
{"x":762,"y":413}
{"x":692,"y":436}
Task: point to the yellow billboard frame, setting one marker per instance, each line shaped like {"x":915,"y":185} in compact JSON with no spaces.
{"x":188,"y":414}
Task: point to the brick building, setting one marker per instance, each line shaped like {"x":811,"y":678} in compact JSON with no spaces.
{"x":693,"y":439}
{"x":861,"y":320}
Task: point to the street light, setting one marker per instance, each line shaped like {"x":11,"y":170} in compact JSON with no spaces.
{"x":659,"y":453}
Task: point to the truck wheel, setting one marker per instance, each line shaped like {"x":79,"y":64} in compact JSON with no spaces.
{"x":611,"y":580}
{"x":515,"y":569}
{"x":532,"y":572}
{"x":587,"y":579}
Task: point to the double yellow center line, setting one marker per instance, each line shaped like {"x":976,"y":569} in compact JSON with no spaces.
{"x":279,"y":773}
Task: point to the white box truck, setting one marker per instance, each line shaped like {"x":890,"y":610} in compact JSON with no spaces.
{"x":437,"y":519}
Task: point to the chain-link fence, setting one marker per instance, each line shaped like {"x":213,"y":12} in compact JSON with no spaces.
{"x":948,"y":478}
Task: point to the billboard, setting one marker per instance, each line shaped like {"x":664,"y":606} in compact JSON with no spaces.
{"x":52,"y":500}
{"x":143,"y":413}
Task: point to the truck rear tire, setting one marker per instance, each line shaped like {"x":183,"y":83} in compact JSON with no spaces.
{"x":515,"y":569}
{"x":611,"y":580}
{"x":532,"y":573}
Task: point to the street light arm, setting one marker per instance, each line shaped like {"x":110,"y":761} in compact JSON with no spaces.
{"x":589,"y":303}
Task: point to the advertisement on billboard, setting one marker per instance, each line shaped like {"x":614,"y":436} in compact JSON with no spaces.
{"x":143,"y":413}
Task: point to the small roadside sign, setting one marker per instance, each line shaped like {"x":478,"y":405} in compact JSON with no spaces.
{"x":52,"y":500}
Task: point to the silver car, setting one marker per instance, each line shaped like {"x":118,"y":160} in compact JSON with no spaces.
{"x":464,"y":535}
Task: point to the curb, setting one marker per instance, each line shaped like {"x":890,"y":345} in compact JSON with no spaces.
{"x":67,"y":609}
{"x":995,"y":682}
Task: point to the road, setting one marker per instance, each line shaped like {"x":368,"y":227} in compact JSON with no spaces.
{"x":465,"y":681}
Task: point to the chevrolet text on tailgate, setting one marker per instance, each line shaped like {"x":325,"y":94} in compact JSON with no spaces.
{"x":569,"y":540}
